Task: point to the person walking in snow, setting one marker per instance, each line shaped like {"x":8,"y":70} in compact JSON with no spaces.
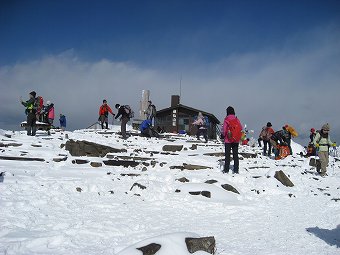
{"x":104,"y":111}
{"x":232,"y":135}
{"x":124,"y":119}
{"x":62,"y":120}
{"x":201,"y":127}
{"x":322,"y":142}
{"x":31,"y":113}
{"x":265,"y":135}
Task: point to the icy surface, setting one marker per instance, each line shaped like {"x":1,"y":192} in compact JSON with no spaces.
{"x":43,"y":212}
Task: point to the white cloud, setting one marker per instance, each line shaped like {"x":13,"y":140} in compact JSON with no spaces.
{"x":287,"y":86}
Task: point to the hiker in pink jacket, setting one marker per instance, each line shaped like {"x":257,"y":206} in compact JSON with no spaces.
{"x":50,"y":112}
{"x":232,"y":135}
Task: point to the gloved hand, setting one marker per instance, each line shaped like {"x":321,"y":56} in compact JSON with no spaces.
{"x":317,"y":145}
{"x":334,"y":145}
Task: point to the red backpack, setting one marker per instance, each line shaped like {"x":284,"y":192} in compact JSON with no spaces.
{"x":234,"y":130}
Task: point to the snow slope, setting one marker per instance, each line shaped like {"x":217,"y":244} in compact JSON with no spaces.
{"x":64,"y":208}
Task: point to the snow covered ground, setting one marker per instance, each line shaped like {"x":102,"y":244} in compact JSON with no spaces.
{"x":50,"y":207}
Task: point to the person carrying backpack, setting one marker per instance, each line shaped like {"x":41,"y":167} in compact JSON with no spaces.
{"x":30,"y":111}
{"x":104,"y":111}
{"x":151,"y":112}
{"x":232,"y":135}
{"x":123,"y":111}
{"x":201,"y":124}
{"x":322,"y":142}
{"x":265,"y":135}
{"x":49,"y":111}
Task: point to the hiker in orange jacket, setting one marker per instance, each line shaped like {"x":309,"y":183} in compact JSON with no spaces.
{"x":104,"y":111}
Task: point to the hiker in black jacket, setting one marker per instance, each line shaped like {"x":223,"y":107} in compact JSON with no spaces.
{"x":30,"y":111}
{"x":124,"y":118}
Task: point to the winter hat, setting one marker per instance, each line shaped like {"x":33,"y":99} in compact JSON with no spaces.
{"x":230,"y":110}
{"x":326,"y":127}
{"x":33,"y":93}
{"x":269,"y":124}
{"x":104,"y":101}
{"x":117,"y":106}
{"x":312,"y":130}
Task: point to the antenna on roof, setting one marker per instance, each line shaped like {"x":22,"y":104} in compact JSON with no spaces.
{"x":180,"y":86}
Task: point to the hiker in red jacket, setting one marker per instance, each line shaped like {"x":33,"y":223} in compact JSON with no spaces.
{"x":104,"y":111}
{"x":232,"y":135}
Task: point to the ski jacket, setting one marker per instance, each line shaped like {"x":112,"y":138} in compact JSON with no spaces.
{"x":105,"y":110}
{"x":226,"y":127}
{"x":200,"y":123}
{"x":29,"y":104}
{"x":122,"y":112}
{"x":145,"y":125}
{"x":62,"y":121}
{"x":323,"y":140}
{"x":51,"y":112}
{"x":281,"y":136}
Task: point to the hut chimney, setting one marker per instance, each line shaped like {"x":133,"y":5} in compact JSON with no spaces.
{"x":175,"y":100}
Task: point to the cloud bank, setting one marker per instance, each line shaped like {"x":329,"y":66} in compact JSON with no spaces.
{"x":295,"y":85}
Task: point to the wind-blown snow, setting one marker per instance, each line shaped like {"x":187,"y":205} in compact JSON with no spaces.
{"x":43,"y":213}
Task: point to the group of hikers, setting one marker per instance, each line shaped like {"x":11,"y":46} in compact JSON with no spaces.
{"x":233,"y":134}
{"x":37,"y":111}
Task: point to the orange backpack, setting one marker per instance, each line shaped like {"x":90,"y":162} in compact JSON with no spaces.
{"x":284,"y":151}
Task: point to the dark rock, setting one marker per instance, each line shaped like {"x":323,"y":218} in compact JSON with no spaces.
{"x":144,"y":169}
{"x":2,"y":174}
{"x":177,"y":190}
{"x":281,"y":177}
{"x":80,"y":161}
{"x":195,"y":167}
{"x":215,"y":154}
{"x":137,"y":185}
{"x":195,"y":193}
{"x":111,"y":192}
{"x":36,"y":145}
{"x":21,"y":158}
{"x":131,"y":175}
{"x":10,"y":144}
{"x":247,"y":155}
{"x":172,"y":148}
{"x":150,"y":249}
{"x":230,"y":188}
{"x":8,"y":135}
{"x":85,"y":148}
{"x":206,"y":244}
{"x":291,"y":195}
{"x":60,"y":159}
{"x":96,"y":164}
{"x":193,"y":147}
{"x":124,"y":163}
{"x":177,"y":167}
{"x":335,"y":199}
{"x":257,"y":176}
{"x":183,"y":179}
{"x":206,"y":194}
{"x":211,"y":181}
{"x":79,"y":189}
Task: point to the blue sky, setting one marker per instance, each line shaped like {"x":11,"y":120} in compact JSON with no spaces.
{"x":250,"y":54}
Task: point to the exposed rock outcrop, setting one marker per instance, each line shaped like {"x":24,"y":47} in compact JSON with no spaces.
{"x":85,"y":148}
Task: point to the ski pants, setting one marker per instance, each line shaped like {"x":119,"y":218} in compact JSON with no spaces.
{"x":323,"y":156}
{"x":124,"y":121}
{"x":265,"y":143}
{"x":202,"y":131}
{"x":228,"y":148}
{"x":31,"y":123}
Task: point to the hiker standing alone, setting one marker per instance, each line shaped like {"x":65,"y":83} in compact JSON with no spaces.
{"x":124,"y":119}
{"x":322,"y":142}
{"x":151,"y":113}
{"x":265,"y":135}
{"x":62,"y":120}
{"x":232,"y":135}
{"x":104,"y":111}
{"x":31,"y":113}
